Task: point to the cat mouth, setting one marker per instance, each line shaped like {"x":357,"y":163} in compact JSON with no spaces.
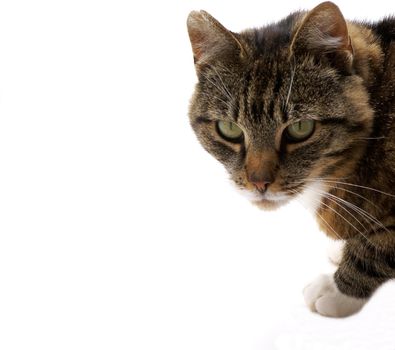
{"x":266,"y":200}
{"x":271,"y":202}
{"x":275,"y":198}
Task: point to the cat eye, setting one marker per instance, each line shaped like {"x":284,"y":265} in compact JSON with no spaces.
{"x":229,"y":131}
{"x":300,"y":130}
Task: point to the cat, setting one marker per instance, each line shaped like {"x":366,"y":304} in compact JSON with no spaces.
{"x":306,"y":106}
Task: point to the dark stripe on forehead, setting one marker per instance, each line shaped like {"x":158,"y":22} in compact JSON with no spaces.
{"x":270,"y":112}
{"x":257,"y":109}
{"x":284,"y":115}
{"x":287,"y":97}
{"x":236,"y":109}
{"x":278,"y":82}
{"x":257,"y":91}
{"x":244,"y":94}
{"x":256,"y":105}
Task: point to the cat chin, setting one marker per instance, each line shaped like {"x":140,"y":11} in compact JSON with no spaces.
{"x":269,"y":205}
{"x":271,"y":202}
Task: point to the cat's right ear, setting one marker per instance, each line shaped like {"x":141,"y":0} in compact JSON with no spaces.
{"x":211,"y":41}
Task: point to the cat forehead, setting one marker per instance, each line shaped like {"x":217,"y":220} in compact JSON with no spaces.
{"x":277,"y":93}
{"x":266,"y":91}
{"x":270,"y":90}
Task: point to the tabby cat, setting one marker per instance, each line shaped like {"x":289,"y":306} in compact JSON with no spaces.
{"x":302,"y":107}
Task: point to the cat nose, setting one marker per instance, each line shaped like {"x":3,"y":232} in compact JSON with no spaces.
{"x":261,"y":184}
{"x":261,"y":167}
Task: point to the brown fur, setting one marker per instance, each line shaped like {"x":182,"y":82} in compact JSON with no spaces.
{"x":318,"y":66}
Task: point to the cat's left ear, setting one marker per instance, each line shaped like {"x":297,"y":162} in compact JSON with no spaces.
{"x":211,"y":41}
{"x":324,"y":33}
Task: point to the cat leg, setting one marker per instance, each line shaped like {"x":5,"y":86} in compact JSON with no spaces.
{"x":366,"y":264}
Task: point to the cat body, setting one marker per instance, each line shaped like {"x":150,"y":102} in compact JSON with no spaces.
{"x":306,"y":106}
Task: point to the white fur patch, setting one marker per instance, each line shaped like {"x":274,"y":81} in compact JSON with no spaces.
{"x":335,"y":251}
{"x":276,"y":197}
{"x":312,"y":195}
{"x":256,"y":197}
{"x":251,"y":196}
{"x":323,"y":296}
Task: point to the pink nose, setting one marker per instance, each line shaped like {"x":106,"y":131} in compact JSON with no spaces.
{"x":261,"y":186}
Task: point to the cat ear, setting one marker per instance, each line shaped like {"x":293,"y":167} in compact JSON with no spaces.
{"x":324,"y":33}
{"x":210,"y":40}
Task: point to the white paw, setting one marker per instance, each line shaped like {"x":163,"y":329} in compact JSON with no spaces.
{"x":335,"y":251}
{"x":324,"y":297}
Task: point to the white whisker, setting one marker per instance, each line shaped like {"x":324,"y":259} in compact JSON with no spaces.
{"x":344,"y":218}
{"x":300,"y":202}
{"x":366,"y":215}
{"x":223,"y":84}
{"x":371,"y":138}
{"x":359,"y":186}
{"x":345,"y":190}
{"x":222,"y":89}
{"x":358,"y":210}
{"x":290,"y":86}
{"x":227,"y":103}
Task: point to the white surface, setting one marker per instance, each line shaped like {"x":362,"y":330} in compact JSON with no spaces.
{"x":117,"y":231}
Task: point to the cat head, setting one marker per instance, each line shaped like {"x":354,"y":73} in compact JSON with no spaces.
{"x":281,"y":107}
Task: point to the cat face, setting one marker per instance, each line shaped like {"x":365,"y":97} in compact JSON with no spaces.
{"x":277,"y":112}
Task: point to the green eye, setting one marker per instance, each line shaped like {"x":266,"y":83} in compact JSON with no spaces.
{"x":300,"y":130}
{"x":229,"y":131}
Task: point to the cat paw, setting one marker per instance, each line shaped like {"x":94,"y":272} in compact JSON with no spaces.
{"x":335,"y":252}
{"x":323,"y":296}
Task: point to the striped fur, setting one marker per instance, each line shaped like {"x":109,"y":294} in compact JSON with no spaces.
{"x":313,"y":65}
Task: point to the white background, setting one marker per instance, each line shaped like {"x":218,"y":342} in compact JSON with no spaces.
{"x":117,"y":231}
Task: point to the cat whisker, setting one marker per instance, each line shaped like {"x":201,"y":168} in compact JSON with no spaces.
{"x":217,"y":98}
{"x":352,"y":192}
{"x":222,"y":83}
{"x":335,"y":211}
{"x":371,"y":138}
{"x":293,"y":71}
{"x":333,"y":230}
{"x":340,"y":215}
{"x":225,"y":98}
{"x":219,"y":85}
{"x":363,"y":213}
{"x":354,"y":185}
